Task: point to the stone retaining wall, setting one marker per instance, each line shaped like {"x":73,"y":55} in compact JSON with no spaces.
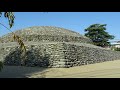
{"x":47,"y":38}
{"x":47,"y":34}
{"x":57,"y":55}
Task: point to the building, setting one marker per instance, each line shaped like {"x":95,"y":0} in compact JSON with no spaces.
{"x":115,"y":44}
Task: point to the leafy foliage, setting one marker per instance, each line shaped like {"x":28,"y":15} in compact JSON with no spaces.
{"x":1,"y":65}
{"x":20,"y":42}
{"x":10,"y":16}
{"x":117,"y":49}
{"x":98,"y":35}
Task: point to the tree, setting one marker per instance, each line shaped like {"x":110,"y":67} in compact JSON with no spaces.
{"x":10,"y":16}
{"x":97,"y":33}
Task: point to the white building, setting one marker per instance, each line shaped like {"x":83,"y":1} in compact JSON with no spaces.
{"x":115,"y":44}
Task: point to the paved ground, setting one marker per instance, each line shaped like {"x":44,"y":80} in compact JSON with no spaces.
{"x":110,"y":69}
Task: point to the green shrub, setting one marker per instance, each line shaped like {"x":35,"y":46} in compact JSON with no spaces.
{"x":117,"y":49}
{"x":1,"y":65}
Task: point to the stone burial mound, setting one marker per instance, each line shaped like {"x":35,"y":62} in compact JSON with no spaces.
{"x":52,"y":47}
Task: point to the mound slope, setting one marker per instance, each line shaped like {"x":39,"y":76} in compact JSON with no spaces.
{"x":61,"y":48}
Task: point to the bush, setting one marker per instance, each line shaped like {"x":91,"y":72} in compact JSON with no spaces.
{"x":117,"y":49}
{"x":1,"y":65}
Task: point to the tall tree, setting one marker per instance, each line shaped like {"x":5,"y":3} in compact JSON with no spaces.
{"x":97,"y":33}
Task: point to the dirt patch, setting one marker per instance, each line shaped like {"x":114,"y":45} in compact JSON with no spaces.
{"x":110,"y":69}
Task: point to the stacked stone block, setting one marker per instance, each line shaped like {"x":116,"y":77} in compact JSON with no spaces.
{"x":57,"y":55}
{"x":53,"y":47}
